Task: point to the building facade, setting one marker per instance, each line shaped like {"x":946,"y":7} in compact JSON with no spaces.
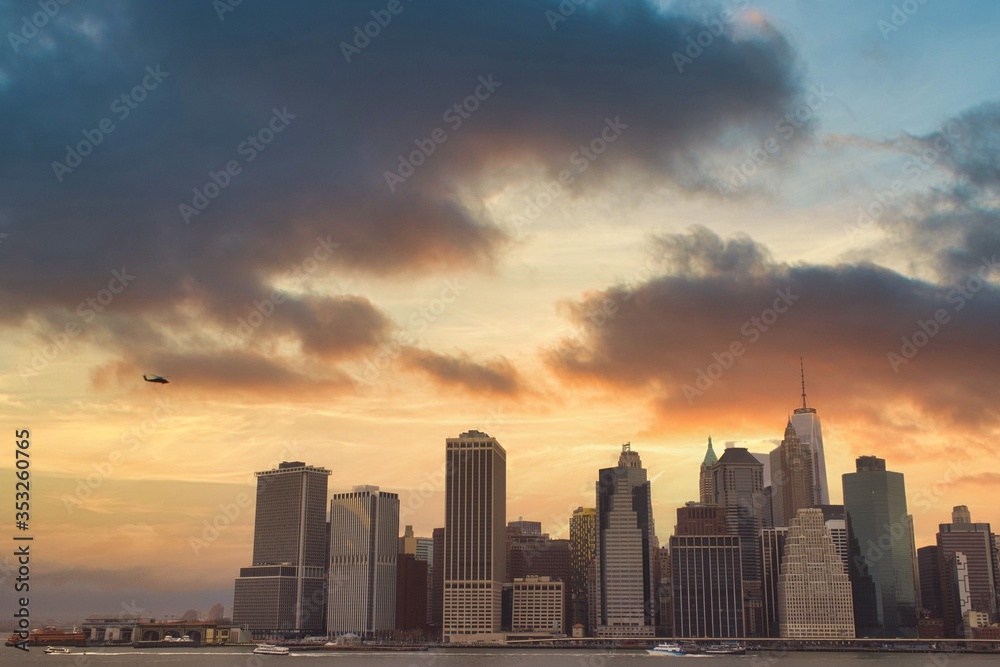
{"x":282,"y":594}
{"x":583,"y":547}
{"x":538,"y":605}
{"x":792,"y":485}
{"x":810,"y":433}
{"x":814,"y":591}
{"x":705,"y":493}
{"x":975,"y":541}
{"x":364,"y":546}
{"x":707,"y":586}
{"x":474,"y":537}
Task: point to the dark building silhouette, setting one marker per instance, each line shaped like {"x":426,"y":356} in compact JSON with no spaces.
{"x":698,"y":519}
{"x":772,"y":548}
{"x":411,"y":593}
{"x":437,"y":582}
{"x":583,"y":547}
{"x":880,"y":543}
{"x":930,"y":581}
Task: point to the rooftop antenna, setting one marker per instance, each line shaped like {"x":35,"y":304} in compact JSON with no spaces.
{"x":802,"y":368}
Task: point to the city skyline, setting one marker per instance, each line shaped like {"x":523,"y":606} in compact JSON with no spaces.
{"x":344,"y":233}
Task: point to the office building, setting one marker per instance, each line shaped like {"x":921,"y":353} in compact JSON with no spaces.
{"x":929,"y":568}
{"x":772,"y":550}
{"x":626,"y":577}
{"x":814,"y":591}
{"x":364,"y":546}
{"x":810,"y":433}
{"x":474,"y":537}
{"x":707,"y":586}
{"x":975,"y":541}
{"x":792,"y":485}
{"x":698,"y":519}
{"x":705,"y":493}
{"x":411,"y":593}
{"x":882,"y":554}
{"x":583,"y":547}
{"x":435,"y":614}
{"x":282,"y":592}
{"x":538,"y":605}
{"x":836,"y":523}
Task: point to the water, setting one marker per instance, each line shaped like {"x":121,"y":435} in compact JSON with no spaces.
{"x":242,"y":657}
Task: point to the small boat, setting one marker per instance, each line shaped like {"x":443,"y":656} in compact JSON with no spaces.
{"x":726,"y":649}
{"x":670,"y":648}
{"x":57,"y":650}
{"x":178,"y":640}
{"x":271,"y":649}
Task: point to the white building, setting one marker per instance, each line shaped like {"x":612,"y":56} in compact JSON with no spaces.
{"x":537,"y":605}
{"x":814,"y":591}
{"x":810,"y":433}
{"x":364,"y":539}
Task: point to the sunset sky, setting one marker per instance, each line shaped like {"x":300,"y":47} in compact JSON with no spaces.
{"x":555,"y":226}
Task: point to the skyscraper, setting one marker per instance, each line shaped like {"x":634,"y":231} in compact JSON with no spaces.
{"x":583,"y":547}
{"x":536,"y":555}
{"x":792,"y":485}
{"x":364,"y":545}
{"x":706,"y":495}
{"x":436,"y":603}
{"x":807,"y":427}
{"x":880,"y":536}
{"x":814,"y":592}
{"x":707,"y":586}
{"x":930,"y":581}
{"x":282,"y":593}
{"x":974,"y":540}
{"x":626,"y":578}
{"x":474,"y":536}
{"x":772,"y":550}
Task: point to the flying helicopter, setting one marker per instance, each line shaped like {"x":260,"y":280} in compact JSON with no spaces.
{"x":158,"y":379}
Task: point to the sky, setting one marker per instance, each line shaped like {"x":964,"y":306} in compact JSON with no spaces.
{"x":347,"y":231}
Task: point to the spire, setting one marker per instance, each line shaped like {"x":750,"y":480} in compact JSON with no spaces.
{"x":710,"y":456}
{"x":802,"y":368}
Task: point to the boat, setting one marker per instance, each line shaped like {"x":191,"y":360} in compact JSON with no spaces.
{"x":726,"y":649}
{"x":57,"y":650}
{"x":178,"y":640}
{"x":271,"y":649}
{"x":670,"y":648}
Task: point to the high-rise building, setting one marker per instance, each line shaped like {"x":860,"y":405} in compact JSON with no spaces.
{"x":282,"y":593}
{"x":536,"y":555}
{"x":474,"y":536}
{"x":792,"y":485}
{"x":436,"y":606}
{"x":880,"y":539}
{"x":583,"y":547}
{"x":975,"y":541}
{"x":537,"y":605}
{"x":626,"y":569}
{"x":698,"y":519}
{"x":522,"y":527}
{"x":836,"y":523}
{"x":706,"y":495}
{"x":411,"y":593}
{"x":814,"y":591}
{"x":772,"y":550}
{"x":930,"y":581}
{"x":707,"y":586}
{"x":364,"y":545}
{"x":807,"y":427}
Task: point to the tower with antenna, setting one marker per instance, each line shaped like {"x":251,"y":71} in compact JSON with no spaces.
{"x":807,"y":426}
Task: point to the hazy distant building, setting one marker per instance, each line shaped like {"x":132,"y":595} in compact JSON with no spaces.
{"x":364,"y":545}
{"x":814,"y":591}
{"x":474,"y":536}
{"x":880,"y":539}
{"x":707,"y":586}
{"x":809,"y":431}
{"x":282,"y":593}
{"x":626,"y":578}
{"x":975,"y":541}
{"x":583,"y":547}
{"x":706,"y":495}
{"x":792,"y":485}
{"x":538,"y":605}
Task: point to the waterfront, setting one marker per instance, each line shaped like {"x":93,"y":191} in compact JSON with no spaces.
{"x":242,"y":657}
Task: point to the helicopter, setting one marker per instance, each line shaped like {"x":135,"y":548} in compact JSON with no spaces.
{"x":156,"y":378}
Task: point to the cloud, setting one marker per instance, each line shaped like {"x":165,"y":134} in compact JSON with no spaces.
{"x":498,"y":376}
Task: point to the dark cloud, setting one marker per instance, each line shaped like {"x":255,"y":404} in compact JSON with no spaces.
{"x":198,"y":89}
{"x":658,"y":337}
{"x":498,"y":376}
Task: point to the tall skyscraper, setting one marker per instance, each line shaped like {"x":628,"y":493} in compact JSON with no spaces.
{"x":626,"y":568}
{"x":814,"y":591}
{"x":583,"y":547}
{"x":772,"y":550}
{"x":807,"y":427}
{"x":706,"y":495}
{"x":930,"y":581}
{"x":364,"y":545}
{"x":411,"y":593}
{"x":474,"y":536}
{"x":792,"y":485}
{"x":282,"y":593}
{"x":975,"y":541}
{"x":880,"y":536}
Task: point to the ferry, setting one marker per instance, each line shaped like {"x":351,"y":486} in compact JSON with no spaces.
{"x":726,"y":649}
{"x":271,"y":649}
{"x":670,"y":649}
